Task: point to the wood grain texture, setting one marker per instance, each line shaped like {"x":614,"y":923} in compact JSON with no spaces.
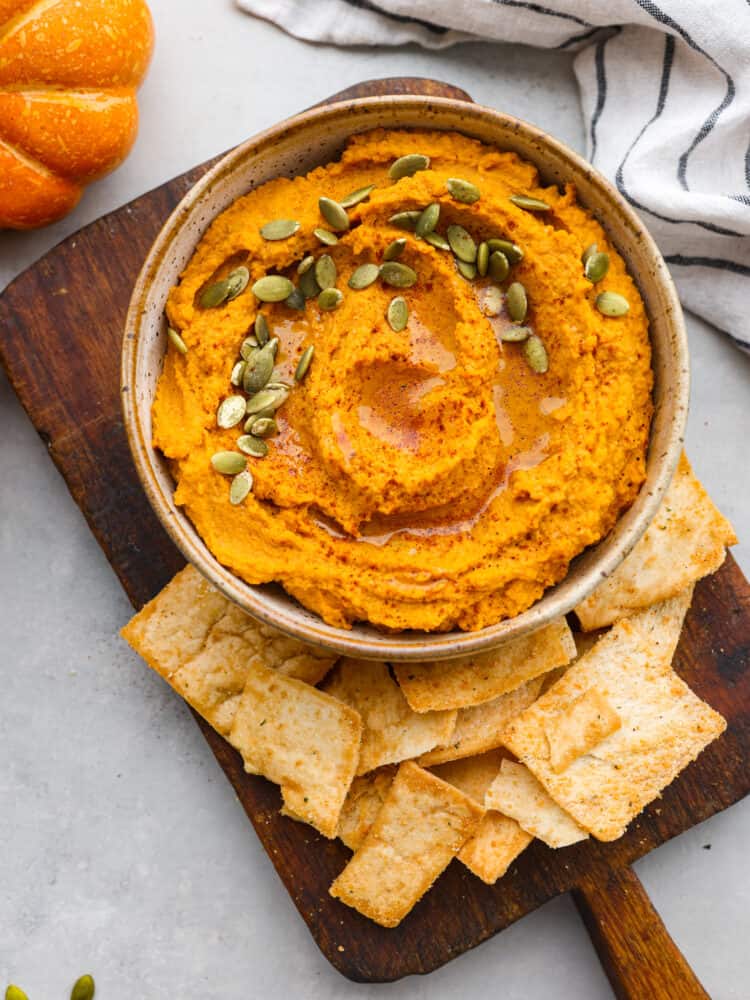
{"x":61,"y":328}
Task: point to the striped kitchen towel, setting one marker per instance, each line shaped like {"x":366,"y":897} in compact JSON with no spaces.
{"x":665,"y":91}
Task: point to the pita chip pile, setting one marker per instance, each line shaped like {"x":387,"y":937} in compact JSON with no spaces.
{"x":557,"y":736}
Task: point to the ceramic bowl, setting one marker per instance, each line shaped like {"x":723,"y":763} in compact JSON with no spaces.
{"x":294,"y":147}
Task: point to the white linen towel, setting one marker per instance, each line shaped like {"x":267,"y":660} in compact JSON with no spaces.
{"x":665,"y":93}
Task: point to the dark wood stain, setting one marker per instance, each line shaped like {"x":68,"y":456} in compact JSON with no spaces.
{"x":61,"y":328}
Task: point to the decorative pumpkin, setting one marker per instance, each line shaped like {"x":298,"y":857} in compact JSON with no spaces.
{"x":69,"y":70}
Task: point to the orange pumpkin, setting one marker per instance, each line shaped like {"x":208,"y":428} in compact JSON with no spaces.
{"x":69,"y":70}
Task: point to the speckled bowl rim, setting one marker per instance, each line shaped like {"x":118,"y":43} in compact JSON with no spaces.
{"x":363,"y":640}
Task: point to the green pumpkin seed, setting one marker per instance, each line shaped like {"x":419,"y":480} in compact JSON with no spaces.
{"x":463,"y":191}
{"x":398,"y":314}
{"x":304,"y":363}
{"x":279,"y":229}
{"x":176,"y":340}
{"x":395,"y":249}
{"x":406,"y":166}
{"x":492,"y":301}
{"x":466,"y":270}
{"x":462,"y":244}
{"x":266,"y":399}
{"x":334,"y":214}
{"x":511,"y":250}
{"x":255,"y":417}
{"x":427,"y":220}
{"x":249,"y":344}
{"x":231,"y":410}
{"x":589,"y":252}
{"x":83,"y":988}
{"x":240,"y":488}
{"x":596,"y":267}
{"x":261,"y":426}
{"x":325,"y":272}
{"x":529,"y":204}
{"x":330,"y":299}
{"x":515,"y":334}
{"x":612,"y":304}
{"x":308,"y":284}
{"x":278,"y":384}
{"x":364,"y":276}
{"x":262,"y":332}
{"x":237,"y":372}
{"x":326,"y":236}
{"x":228,"y":463}
{"x":437,"y":241}
{"x":397,"y":275}
{"x":305,"y":264}
{"x":238,"y":280}
{"x":483,"y":259}
{"x":498,"y":266}
{"x":273,"y":288}
{"x":536,"y":354}
{"x":405,"y":220}
{"x":258,"y":369}
{"x":355,"y":197}
{"x":15,"y":993}
{"x":251,"y":445}
{"x":296,"y":300}
{"x":516,"y":302}
{"x":214,"y":295}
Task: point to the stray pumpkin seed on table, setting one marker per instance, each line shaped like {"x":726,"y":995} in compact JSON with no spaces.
{"x":83,"y":988}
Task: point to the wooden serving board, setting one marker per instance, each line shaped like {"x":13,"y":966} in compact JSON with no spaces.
{"x":61,"y":328}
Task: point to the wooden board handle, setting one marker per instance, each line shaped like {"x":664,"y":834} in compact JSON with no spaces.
{"x":634,"y":947}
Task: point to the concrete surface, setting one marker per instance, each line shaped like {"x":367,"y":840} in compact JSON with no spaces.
{"x":124,"y":851}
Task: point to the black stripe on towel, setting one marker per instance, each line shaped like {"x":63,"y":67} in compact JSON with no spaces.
{"x":436,"y":29}
{"x":539,"y":9}
{"x":721,"y":265}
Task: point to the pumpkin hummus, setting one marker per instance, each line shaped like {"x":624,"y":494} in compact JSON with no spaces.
{"x":434,"y":477}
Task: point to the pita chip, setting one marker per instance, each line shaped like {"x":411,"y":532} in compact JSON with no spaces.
{"x":366,"y":796}
{"x":583,"y":725}
{"x":517,"y":793}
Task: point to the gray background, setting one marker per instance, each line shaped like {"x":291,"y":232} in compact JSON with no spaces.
{"x":124,"y":850}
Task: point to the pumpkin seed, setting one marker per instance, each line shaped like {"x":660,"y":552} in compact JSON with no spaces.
{"x":397,"y":275}
{"x":237,"y":281}
{"x":279,"y":229}
{"x":251,"y":445}
{"x":330,"y":299}
{"x":498,"y":266}
{"x":511,"y":250}
{"x":15,"y":993}
{"x":516,"y":302}
{"x":326,"y":236}
{"x":262,"y":332}
{"x":83,"y":988}
{"x":530,"y":204}
{"x":364,"y":276}
{"x":395,"y":249}
{"x":228,"y":463}
{"x":492,"y":301}
{"x":466,"y":270}
{"x":536,"y":354}
{"x":596,"y":267}
{"x":237,"y":372}
{"x":355,"y":197}
{"x":483,"y":259}
{"x":437,"y":241}
{"x":273,"y":288}
{"x":296,"y":300}
{"x":515,"y":334}
{"x":258,"y":370}
{"x":278,"y":384}
{"x":176,"y":340}
{"x":612,"y":304}
{"x":249,"y":344}
{"x":231,"y":410}
{"x":405,"y":220}
{"x":253,"y":419}
{"x":427,"y":220}
{"x":406,"y":166}
{"x":214,"y":295}
{"x":240,"y":488}
{"x":398,"y":314}
{"x":266,"y":399}
{"x":588,"y":252}
{"x":261,"y":426}
{"x":462,"y":244}
{"x":304,"y":363}
{"x":308,"y":284}
{"x":334,"y":214}
{"x":305,"y":264}
{"x":325,"y":272}
{"x":463,"y":191}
